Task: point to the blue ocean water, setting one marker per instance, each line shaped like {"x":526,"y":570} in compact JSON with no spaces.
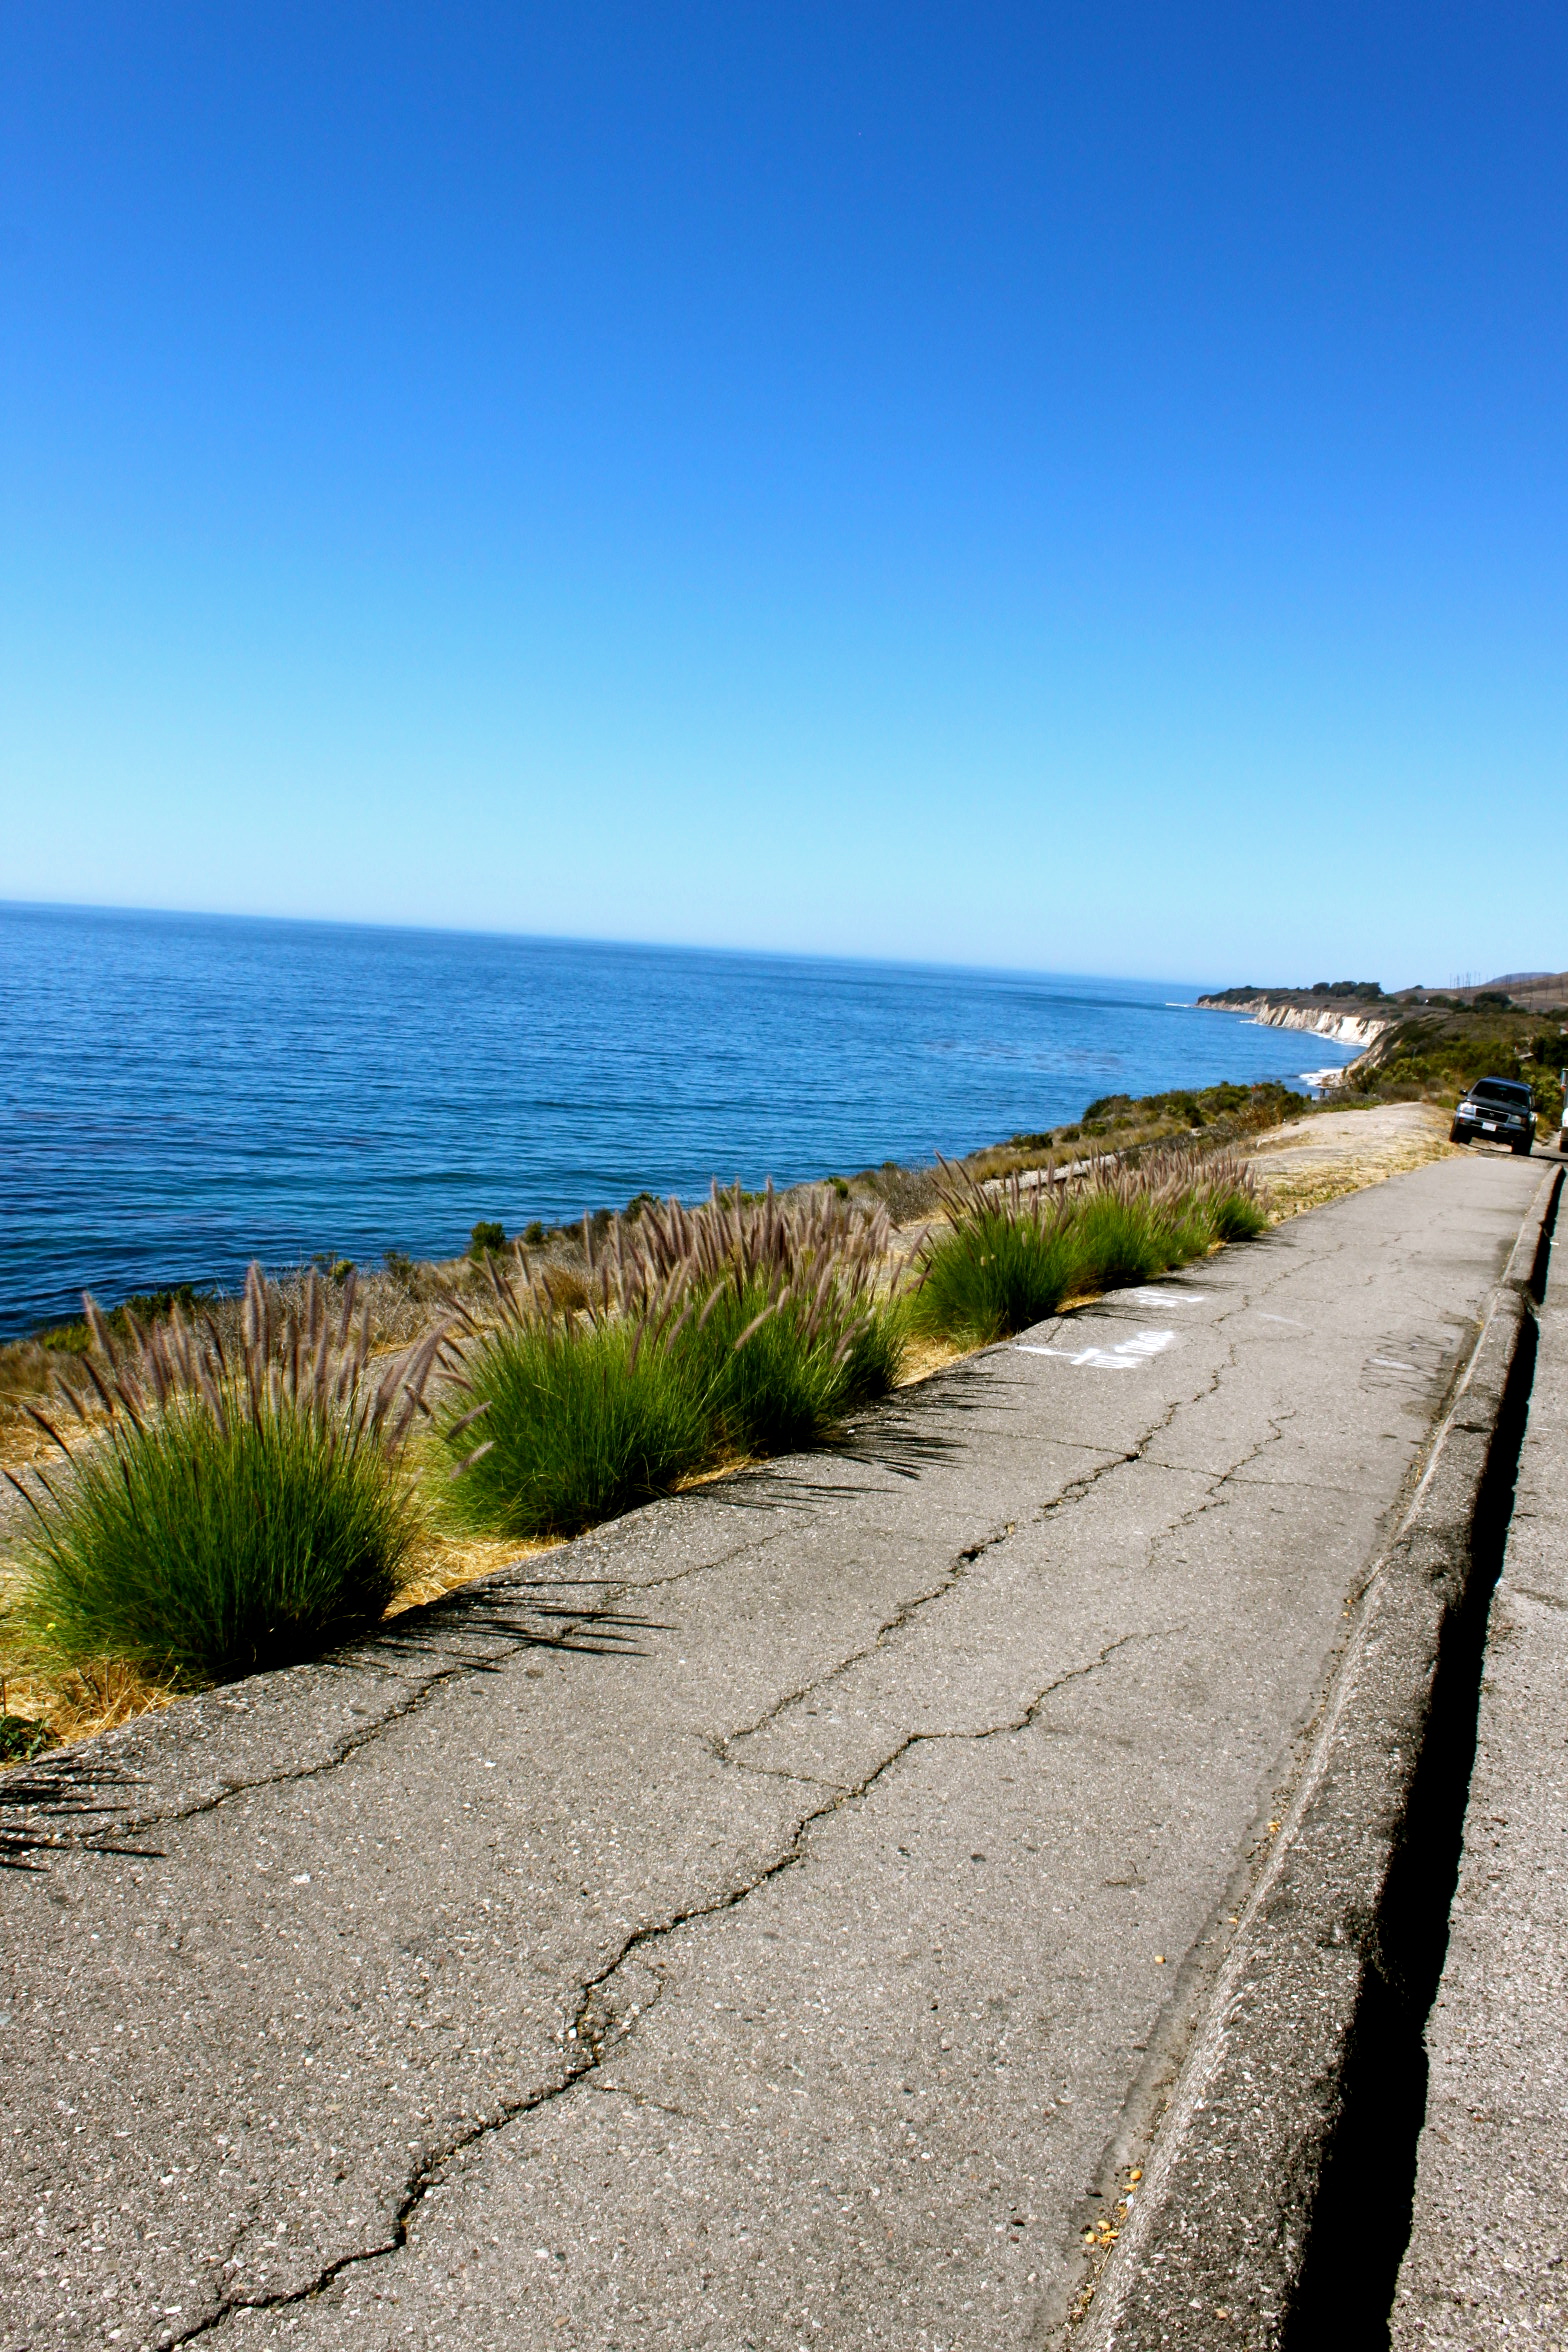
{"x":179,"y":1094}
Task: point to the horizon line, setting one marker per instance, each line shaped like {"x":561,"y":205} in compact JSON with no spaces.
{"x":599,"y":940}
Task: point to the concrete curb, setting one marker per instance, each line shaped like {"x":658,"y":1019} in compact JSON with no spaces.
{"x":1261,"y":2221}
{"x":1487,"y":2262}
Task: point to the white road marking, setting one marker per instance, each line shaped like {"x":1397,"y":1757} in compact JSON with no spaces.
{"x":1161,"y":1298}
{"x":1389,"y":1364}
{"x":1126,"y":1356}
{"x":1263,"y":1318}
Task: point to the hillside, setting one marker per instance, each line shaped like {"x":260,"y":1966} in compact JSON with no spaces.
{"x":1423,"y":1044}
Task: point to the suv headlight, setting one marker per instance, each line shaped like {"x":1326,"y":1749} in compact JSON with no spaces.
{"x":1466,"y":1110}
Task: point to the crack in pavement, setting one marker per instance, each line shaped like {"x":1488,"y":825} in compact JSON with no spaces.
{"x":1218,"y":1481}
{"x":614,"y":1593}
{"x":640,"y":2099}
{"x":600,"y":1613}
{"x":719,"y":1743}
{"x":415,"y":1695}
{"x":591,"y":2009}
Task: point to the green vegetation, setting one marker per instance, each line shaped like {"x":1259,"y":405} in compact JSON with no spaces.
{"x":1236,"y":1110}
{"x":743,"y":1328}
{"x":1011,"y":1254}
{"x":125,"y":1321}
{"x":22,"y":1738}
{"x":487,"y":1237}
{"x":1438,"y":1051}
{"x":234,"y":1511}
{"x":581,"y":1424}
{"x":1134,"y":1126}
{"x":1343,"y":991}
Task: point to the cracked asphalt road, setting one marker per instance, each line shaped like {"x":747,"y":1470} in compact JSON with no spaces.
{"x":808,"y":1971}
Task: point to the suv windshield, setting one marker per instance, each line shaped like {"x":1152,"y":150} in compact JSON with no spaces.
{"x":1501,"y":1090}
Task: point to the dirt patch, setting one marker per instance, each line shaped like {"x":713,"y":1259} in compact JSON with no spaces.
{"x":1310,"y":1161}
{"x":443,"y":1563}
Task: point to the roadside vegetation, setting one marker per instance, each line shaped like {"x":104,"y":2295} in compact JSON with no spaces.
{"x":1010,"y":1254}
{"x":745,"y":1328}
{"x":208,"y":1485}
{"x":237,"y":1484}
{"x":224,"y":1509}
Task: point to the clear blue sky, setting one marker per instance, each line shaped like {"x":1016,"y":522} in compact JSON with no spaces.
{"x":1072,"y":487}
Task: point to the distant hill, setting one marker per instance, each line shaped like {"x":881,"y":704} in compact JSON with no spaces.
{"x":1533,"y":992}
{"x":1526,"y":992}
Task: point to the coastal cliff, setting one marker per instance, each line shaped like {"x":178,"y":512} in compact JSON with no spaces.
{"x":1342,"y":1026}
{"x":1420,"y":1042}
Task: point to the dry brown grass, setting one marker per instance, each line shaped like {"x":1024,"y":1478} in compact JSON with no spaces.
{"x":81,"y":1704}
{"x":1311,"y":1162}
{"x":445,"y":1563}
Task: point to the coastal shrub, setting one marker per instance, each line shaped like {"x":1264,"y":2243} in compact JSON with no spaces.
{"x":777,"y":1376}
{"x":1234,"y":1210}
{"x":1009,"y":1255}
{"x":223,"y":1513}
{"x":22,"y":1738}
{"x":1003,"y":1265}
{"x":786,"y":1319}
{"x":487,"y":1235}
{"x":694,"y":1337}
{"x":566,"y":1421}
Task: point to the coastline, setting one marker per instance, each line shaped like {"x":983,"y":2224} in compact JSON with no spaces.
{"x":185,"y":1096}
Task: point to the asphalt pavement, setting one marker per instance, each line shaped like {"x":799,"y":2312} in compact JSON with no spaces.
{"x":804,"y":1954}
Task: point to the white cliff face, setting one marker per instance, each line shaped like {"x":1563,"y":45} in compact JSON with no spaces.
{"x":1363,"y":1029}
{"x":1344,"y":1028}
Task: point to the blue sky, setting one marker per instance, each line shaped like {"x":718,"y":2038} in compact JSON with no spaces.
{"x":1081,"y":489}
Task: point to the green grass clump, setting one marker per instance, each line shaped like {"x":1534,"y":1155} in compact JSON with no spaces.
{"x":1009,"y":1255}
{"x":1234,"y":1212}
{"x":580,"y":1423}
{"x":998,"y":1270}
{"x":775,"y":1378}
{"x":694,"y":1338}
{"x":228,"y":1516}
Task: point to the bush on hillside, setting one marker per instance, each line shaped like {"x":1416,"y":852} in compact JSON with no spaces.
{"x":695,"y":1337}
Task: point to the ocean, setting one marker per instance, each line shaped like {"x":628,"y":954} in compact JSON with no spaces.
{"x":180,"y":1094}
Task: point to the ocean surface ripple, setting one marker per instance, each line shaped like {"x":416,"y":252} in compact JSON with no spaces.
{"x":179,"y":1094}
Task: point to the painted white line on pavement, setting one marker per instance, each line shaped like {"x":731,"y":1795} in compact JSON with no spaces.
{"x":1126,"y":1356}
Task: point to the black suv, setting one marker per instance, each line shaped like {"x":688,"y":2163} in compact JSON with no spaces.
{"x":1500,"y":1107}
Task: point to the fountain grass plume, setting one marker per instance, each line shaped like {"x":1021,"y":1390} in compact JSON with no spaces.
{"x":223,"y":1509}
{"x":744,"y":1327}
{"x":1011,"y":1253}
